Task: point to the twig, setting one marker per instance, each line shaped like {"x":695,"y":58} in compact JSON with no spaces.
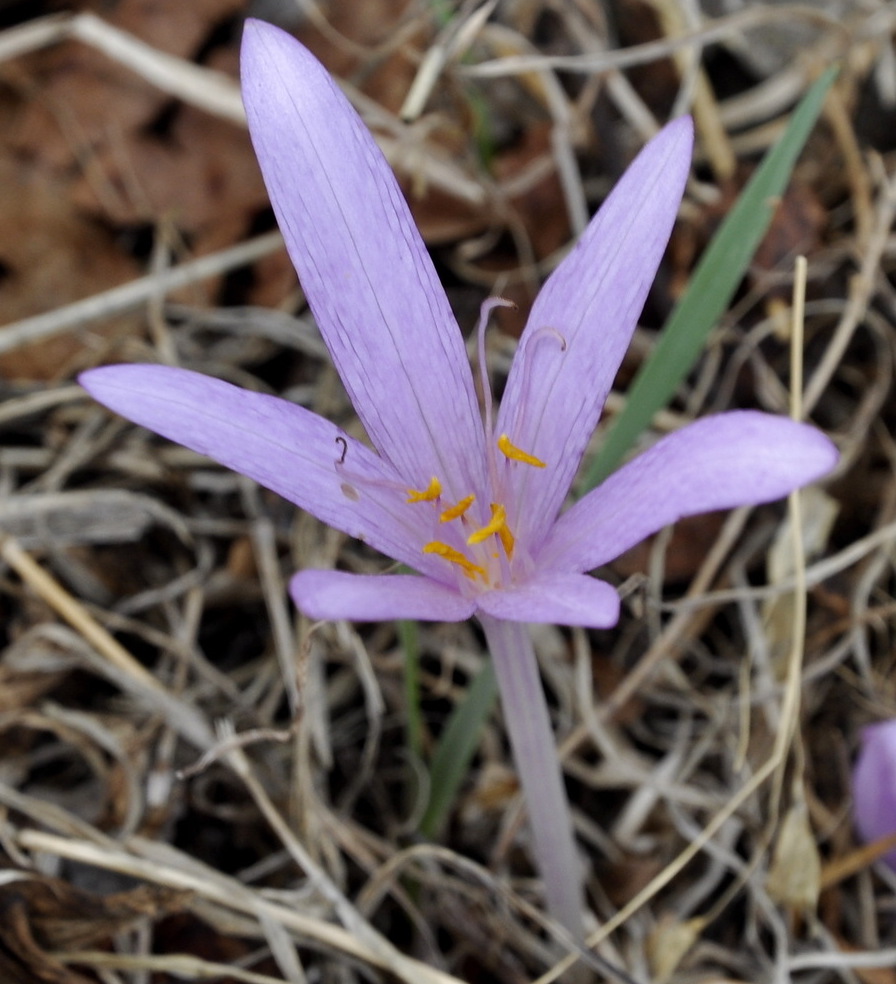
{"x":134,"y":676}
{"x":204,"y":88}
{"x":226,"y":892}
{"x":131,"y":295}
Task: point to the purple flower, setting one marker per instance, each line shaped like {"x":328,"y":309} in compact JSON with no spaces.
{"x":874,"y":785}
{"x":469,"y":501}
{"x":472,"y":506}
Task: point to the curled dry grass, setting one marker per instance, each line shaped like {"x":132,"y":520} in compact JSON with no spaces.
{"x":198,"y":784}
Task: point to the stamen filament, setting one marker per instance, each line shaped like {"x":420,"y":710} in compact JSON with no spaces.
{"x":526,"y":358}
{"x":455,"y":557}
{"x":456,"y":511}
{"x":429,"y":494}
{"x":517,"y":454}
{"x":484,"y":314}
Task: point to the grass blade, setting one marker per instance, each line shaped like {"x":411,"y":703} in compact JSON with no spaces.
{"x":456,"y":747}
{"x":714,"y":281}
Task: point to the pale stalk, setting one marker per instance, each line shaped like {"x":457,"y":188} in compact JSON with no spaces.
{"x":535,"y":755}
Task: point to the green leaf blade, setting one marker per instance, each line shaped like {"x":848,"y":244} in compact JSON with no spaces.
{"x":714,"y":282}
{"x":456,"y":748}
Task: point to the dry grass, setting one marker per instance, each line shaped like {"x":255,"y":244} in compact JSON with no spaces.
{"x":196,"y":784}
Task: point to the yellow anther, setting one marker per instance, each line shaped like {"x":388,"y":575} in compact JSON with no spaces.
{"x":507,"y":541}
{"x":455,"y":557}
{"x":497,"y":526}
{"x":517,"y":454}
{"x":429,"y":494}
{"x":455,"y":511}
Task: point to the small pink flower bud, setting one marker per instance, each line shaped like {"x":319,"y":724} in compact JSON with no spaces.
{"x":874,"y":785}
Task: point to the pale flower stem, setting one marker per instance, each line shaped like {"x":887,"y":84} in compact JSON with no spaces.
{"x":535,"y":754}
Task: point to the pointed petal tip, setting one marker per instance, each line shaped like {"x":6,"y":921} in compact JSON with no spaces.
{"x":364,"y":268}
{"x":675,"y":143}
{"x":738,"y":458}
{"x":592,"y":301}
{"x":256,"y":31}
{"x":87,"y":377}
{"x":823,"y":452}
{"x":272,"y":61}
{"x":811,"y":454}
{"x":682,"y":128}
{"x":104,"y":382}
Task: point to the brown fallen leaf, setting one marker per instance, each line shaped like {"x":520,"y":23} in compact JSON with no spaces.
{"x":23,"y":689}
{"x":691,"y":541}
{"x":81,"y":100}
{"x":668,"y":943}
{"x":94,"y":156}
{"x":199,"y":172}
{"x":52,"y":254}
{"x":794,"y":877}
{"x":796,"y":228}
{"x":39,"y":915}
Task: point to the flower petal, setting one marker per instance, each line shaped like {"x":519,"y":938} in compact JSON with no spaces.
{"x":874,"y":785}
{"x":582,"y":322}
{"x":734,"y":459}
{"x":375,"y":597}
{"x":281,"y":445}
{"x":557,"y":598}
{"x":364,"y":269}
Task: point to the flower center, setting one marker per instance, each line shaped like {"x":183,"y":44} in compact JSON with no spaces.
{"x":473,"y":535}
{"x":482,"y":552}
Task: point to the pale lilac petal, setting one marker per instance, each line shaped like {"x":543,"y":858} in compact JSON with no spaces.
{"x":874,"y":785}
{"x":281,"y":445}
{"x":555,"y":394}
{"x":373,"y":598}
{"x":363,"y":267}
{"x":735,"y":459}
{"x":557,"y":598}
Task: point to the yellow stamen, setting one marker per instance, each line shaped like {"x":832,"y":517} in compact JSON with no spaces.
{"x":507,"y":540}
{"x":497,"y":522}
{"x":517,"y":454}
{"x":429,"y":494}
{"x":456,"y":511}
{"x":497,"y":526}
{"x":455,"y":557}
